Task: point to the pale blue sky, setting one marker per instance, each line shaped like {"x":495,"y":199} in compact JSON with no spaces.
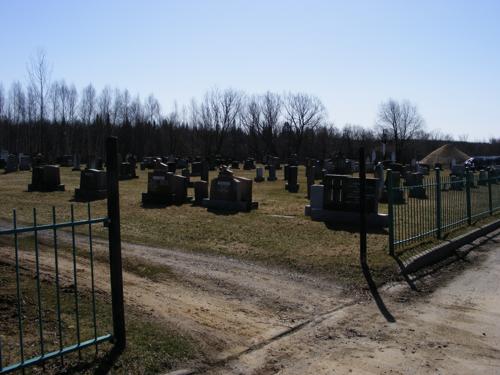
{"x":444,"y":56}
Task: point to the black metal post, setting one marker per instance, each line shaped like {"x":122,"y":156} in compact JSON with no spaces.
{"x":362,"y":207}
{"x":115,"y":249}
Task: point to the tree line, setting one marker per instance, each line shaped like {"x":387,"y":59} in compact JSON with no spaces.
{"x":55,"y":119}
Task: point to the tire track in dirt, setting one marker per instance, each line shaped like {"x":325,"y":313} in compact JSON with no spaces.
{"x":228,"y":305}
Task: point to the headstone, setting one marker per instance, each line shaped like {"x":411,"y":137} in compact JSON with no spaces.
{"x":67,"y":161}
{"x":397,"y":192}
{"x":196,"y":169}
{"x":379,"y":175}
{"x":46,"y":178}
{"x":93,"y":185}
{"x":200,"y":191}
{"x":235,"y":164}
{"x":12,"y":164}
{"x":229,"y":193}
{"x":259,"y":177}
{"x":415,"y":184}
{"x":38,"y":160}
{"x":165,"y":188}
{"x":76,"y":162}
{"x":393,"y":156}
{"x":24,"y":163}
{"x":148,"y":162}
{"x":337,"y":201}
{"x":185,"y":173}
{"x":4,"y":154}
{"x":483,"y":177}
{"x":127,"y":171}
{"x":292,"y":186}
{"x":272,"y":173}
{"x":205,"y":169}
{"x":182,"y":163}
{"x":458,"y":170}
{"x":457,"y":182}
{"x":374,"y":156}
{"x":249,"y":164}
{"x":285,"y":172}
{"x":172,"y":165}
{"x":311,"y":174}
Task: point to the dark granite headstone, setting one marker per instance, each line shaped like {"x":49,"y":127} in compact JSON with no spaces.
{"x":46,"y":178}
{"x":92,"y":185}
{"x":292,"y":186}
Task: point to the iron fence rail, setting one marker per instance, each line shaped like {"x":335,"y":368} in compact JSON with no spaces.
{"x":443,"y":203}
{"x":78,"y":344}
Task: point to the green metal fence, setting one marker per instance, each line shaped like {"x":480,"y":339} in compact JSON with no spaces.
{"x":39,"y":307}
{"x":438,"y":205}
{"x":17,"y":233}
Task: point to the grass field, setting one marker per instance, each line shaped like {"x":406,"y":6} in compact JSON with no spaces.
{"x":277,"y":232}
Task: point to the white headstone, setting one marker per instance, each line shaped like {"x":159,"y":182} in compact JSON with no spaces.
{"x":393,"y":156}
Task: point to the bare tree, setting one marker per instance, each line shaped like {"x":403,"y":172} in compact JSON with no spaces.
{"x":303,"y":112}
{"x":251,"y":120}
{"x":104,"y":103}
{"x":152,"y":110}
{"x":17,"y":103}
{"x":88,"y":104}
{"x":31,"y":104}
{"x":219,"y":112}
{"x":270,"y":105}
{"x":401,"y":120}
{"x":72,"y":103}
{"x":54,"y":94}
{"x":63,"y":100}
{"x":2,"y":102}
{"x":136,"y":111}
{"x":39,"y":76}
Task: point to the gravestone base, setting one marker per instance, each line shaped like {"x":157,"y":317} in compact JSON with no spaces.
{"x":259,"y":179}
{"x":90,"y":195}
{"x":76,"y":169}
{"x":373,"y":220}
{"x":157,"y":198}
{"x":417,"y":192}
{"x":163,"y":199}
{"x":45,"y":189}
{"x":397,"y":197}
{"x":220,"y":205}
{"x":292,"y":188}
{"x":272,"y":178}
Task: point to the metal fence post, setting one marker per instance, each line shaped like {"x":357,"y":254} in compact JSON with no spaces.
{"x":115,"y":251}
{"x":390,"y":211}
{"x":490,"y":196}
{"x":362,"y":207}
{"x":438,"y":203}
{"x":467,"y":196}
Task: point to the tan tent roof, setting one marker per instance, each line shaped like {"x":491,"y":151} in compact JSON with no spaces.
{"x":444,"y":155}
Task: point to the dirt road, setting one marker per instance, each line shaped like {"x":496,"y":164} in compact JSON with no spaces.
{"x":251,"y":319}
{"x":228,"y":305}
{"x":450,"y":326}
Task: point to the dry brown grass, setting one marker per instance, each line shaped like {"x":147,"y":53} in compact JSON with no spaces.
{"x":277,"y":233}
